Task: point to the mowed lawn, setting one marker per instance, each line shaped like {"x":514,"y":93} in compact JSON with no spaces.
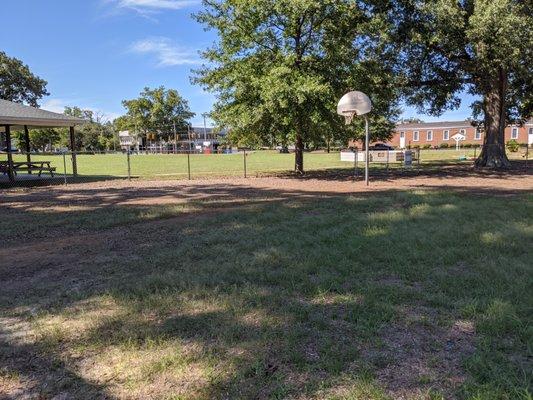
{"x":266,"y":294}
{"x":173,"y":166}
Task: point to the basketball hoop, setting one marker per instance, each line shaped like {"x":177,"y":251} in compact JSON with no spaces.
{"x":352,"y":104}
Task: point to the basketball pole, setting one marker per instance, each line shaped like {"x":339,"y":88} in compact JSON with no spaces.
{"x":367,"y":161}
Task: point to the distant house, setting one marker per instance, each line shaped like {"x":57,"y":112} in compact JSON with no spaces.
{"x":127,"y":140}
{"x":198,"y":139}
{"x":435,"y":134}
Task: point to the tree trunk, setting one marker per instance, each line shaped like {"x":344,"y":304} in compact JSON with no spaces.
{"x":328,"y":148}
{"x":493,"y":153}
{"x":299,"y":152}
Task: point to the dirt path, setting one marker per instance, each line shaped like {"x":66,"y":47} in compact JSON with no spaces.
{"x":164,"y":191}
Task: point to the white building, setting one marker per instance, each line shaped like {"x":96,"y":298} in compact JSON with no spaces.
{"x":127,"y":140}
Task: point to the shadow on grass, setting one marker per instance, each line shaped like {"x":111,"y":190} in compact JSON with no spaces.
{"x":34,"y":180}
{"x":272,"y":293}
{"x":36,"y":374}
{"x":434,"y":169}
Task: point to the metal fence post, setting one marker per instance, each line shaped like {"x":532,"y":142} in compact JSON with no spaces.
{"x":189,"y":164}
{"x":244,"y":161}
{"x":418,"y":160}
{"x":129,"y":164}
{"x":527,"y":154}
{"x":65,"y":167}
{"x":387,"y":161}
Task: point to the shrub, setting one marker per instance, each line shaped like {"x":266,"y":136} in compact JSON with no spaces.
{"x":426,"y":146}
{"x":444,"y":145}
{"x":415,"y":146}
{"x":468,"y":145}
{"x":513,"y":146}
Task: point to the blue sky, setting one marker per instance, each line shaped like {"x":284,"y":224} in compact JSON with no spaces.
{"x":95,"y":53}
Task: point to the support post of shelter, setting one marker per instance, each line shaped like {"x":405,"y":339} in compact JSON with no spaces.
{"x":27,"y":145}
{"x":73,"y":150}
{"x":10,"y":170}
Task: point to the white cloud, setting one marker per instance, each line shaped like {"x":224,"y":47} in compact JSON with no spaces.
{"x":166,"y":52}
{"x":54,"y":105}
{"x":58,"y":105}
{"x":147,"y":6}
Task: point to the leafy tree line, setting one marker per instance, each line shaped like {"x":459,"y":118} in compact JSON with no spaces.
{"x":95,"y":135}
{"x":159,"y":111}
{"x":279,"y":67}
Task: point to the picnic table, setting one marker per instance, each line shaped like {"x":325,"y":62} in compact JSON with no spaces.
{"x":28,"y":166}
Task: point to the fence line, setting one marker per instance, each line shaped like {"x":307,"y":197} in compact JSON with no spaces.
{"x":68,"y":167}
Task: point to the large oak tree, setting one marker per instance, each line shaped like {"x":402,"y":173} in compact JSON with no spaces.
{"x":280,"y":66}
{"x":18,"y":83}
{"x":484,"y":47}
{"x":161,"y":111}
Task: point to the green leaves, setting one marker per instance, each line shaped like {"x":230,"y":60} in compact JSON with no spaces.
{"x":447,"y":47}
{"x":157,"y":110}
{"x":279,"y":67}
{"x":18,"y":83}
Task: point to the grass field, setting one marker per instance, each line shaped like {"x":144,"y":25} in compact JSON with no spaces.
{"x":258,"y":162}
{"x":209,"y":291}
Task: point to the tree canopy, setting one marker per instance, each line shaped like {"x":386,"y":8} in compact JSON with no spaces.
{"x":97,"y":134}
{"x":279,"y":68}
{"x":18,"y":83}
{"x":484,"y":47}
{"x":160,"y":111}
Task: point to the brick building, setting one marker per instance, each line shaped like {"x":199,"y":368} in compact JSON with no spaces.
{"x":436,"y":133}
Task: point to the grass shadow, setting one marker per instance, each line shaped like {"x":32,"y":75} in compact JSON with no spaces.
{"x":265,"y":293}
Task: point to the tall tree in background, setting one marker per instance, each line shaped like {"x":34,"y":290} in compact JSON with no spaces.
{"x":18,"y":83}
{"x":42,"y":139}
{"x":482,"y":46}
{"x":280,"y":67}
{"x":97,"y":134}
{"x":159,"y":110}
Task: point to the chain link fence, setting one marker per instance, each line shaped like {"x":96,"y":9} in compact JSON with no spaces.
{"x":31,"y":169}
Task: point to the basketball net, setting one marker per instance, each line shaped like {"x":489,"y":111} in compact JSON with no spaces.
{"x":348,"y":117}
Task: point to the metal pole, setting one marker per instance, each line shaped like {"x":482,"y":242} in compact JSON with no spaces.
{"x":387,"y":161}
{"x":205,"y":127}
{"x":65,"y":167}
{"x":175,"y":138}
{"x":527,"y":154}
{"x":129,"y":164}
{"x":367,"y":160}
{"x":355,"y":162}
{"x":189,"y":163}
{"x":244,"y":158}
{"x":356,"y":159}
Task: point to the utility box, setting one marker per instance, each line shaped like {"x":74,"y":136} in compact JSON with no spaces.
{"x":408,"y":158}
